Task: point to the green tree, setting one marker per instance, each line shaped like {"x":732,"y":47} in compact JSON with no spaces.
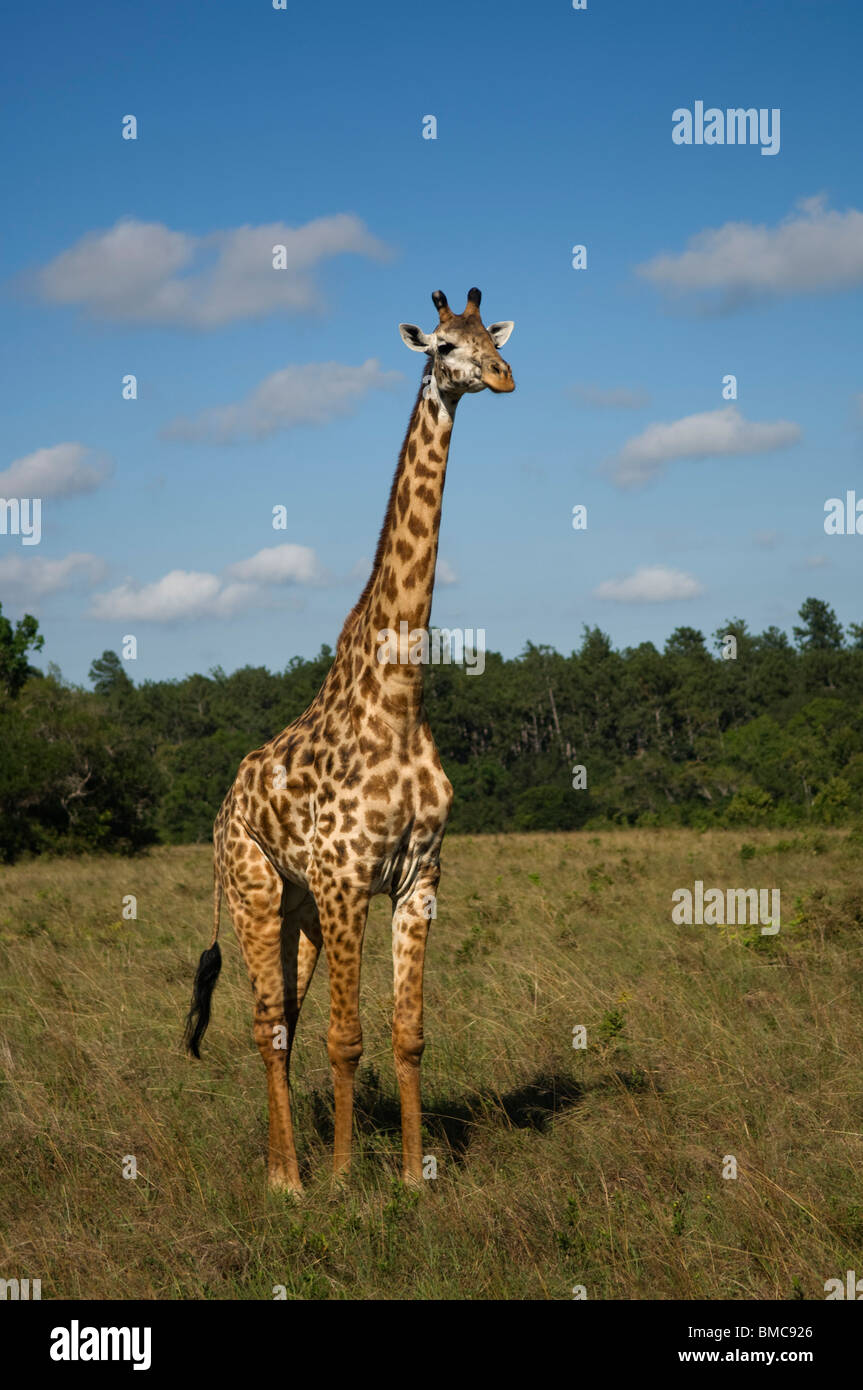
{"x":73,"y":777}
{"x":15,"y":644}
{"x":685,"y":641}
{"x":108,"y":676}
{"x":820,"y":629}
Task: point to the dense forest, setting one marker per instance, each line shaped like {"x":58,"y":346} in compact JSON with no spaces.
{"x":761,"y":730}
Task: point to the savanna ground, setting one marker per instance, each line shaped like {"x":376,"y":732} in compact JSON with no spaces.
{"x":556,"y":1166}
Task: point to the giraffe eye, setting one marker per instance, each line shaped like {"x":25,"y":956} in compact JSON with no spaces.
{"x":444,"y":348}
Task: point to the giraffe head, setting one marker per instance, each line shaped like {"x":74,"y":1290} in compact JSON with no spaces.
{"x":464,"y":353}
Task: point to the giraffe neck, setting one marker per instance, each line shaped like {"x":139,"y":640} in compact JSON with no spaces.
{"x":398,"y":596}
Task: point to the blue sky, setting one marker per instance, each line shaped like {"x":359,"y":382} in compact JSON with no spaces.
{"x":553,"y":129}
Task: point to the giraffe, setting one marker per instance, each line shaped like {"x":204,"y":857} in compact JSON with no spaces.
{"x":351,"y":799}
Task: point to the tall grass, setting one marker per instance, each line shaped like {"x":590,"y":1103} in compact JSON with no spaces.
{"x":556,"y":1166}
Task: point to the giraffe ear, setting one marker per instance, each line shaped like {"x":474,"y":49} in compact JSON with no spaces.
{"x":414,"y":337}
{"x":499,"y":332}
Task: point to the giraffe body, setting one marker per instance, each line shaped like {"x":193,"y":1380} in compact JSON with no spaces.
{"x":351,"y":799}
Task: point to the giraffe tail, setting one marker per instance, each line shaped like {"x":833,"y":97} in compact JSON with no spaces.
{"x":205,"y":981}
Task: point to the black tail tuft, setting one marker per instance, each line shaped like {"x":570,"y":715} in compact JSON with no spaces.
{"x":202,"y":993}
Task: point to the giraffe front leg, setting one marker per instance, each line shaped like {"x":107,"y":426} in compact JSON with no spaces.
{"x":343,"y":912}
{"x":411,"y":920}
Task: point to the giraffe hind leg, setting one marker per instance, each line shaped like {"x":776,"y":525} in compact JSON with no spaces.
{"x":276,"y":926}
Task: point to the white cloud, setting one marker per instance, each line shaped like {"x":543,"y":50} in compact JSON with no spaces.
{"x":766,"y":540}
{"x":813,"y":562}
{"x":813,"y":249}
{"x":183,"y":595}
{"x":302,"y":395}
{"x":59,"y":471}
{"x":33,"y":576}
{"x":713,"y":433}
{"x":143,"y":272}
{"x":279,"y":564}
{"x":609,"y":397}
{"x":650,"y":584}
{"x":445,"y":574}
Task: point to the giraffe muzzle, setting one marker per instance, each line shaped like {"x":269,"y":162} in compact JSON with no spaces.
{"x":497,"y":376}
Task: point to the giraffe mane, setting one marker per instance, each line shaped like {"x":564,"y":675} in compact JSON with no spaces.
{"x":388,"y":515}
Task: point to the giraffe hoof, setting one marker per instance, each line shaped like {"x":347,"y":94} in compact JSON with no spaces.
{"x":283,"y":1187}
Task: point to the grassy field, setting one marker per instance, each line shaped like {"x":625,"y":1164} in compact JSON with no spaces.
{"x":557,"y":1167}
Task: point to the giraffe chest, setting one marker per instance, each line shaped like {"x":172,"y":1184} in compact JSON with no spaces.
{"x":383,"y":827}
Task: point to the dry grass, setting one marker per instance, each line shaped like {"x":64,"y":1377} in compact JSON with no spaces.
{"x":556,"y":1166}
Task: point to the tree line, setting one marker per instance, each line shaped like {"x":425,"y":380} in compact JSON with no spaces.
{"x":747,"y":730}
